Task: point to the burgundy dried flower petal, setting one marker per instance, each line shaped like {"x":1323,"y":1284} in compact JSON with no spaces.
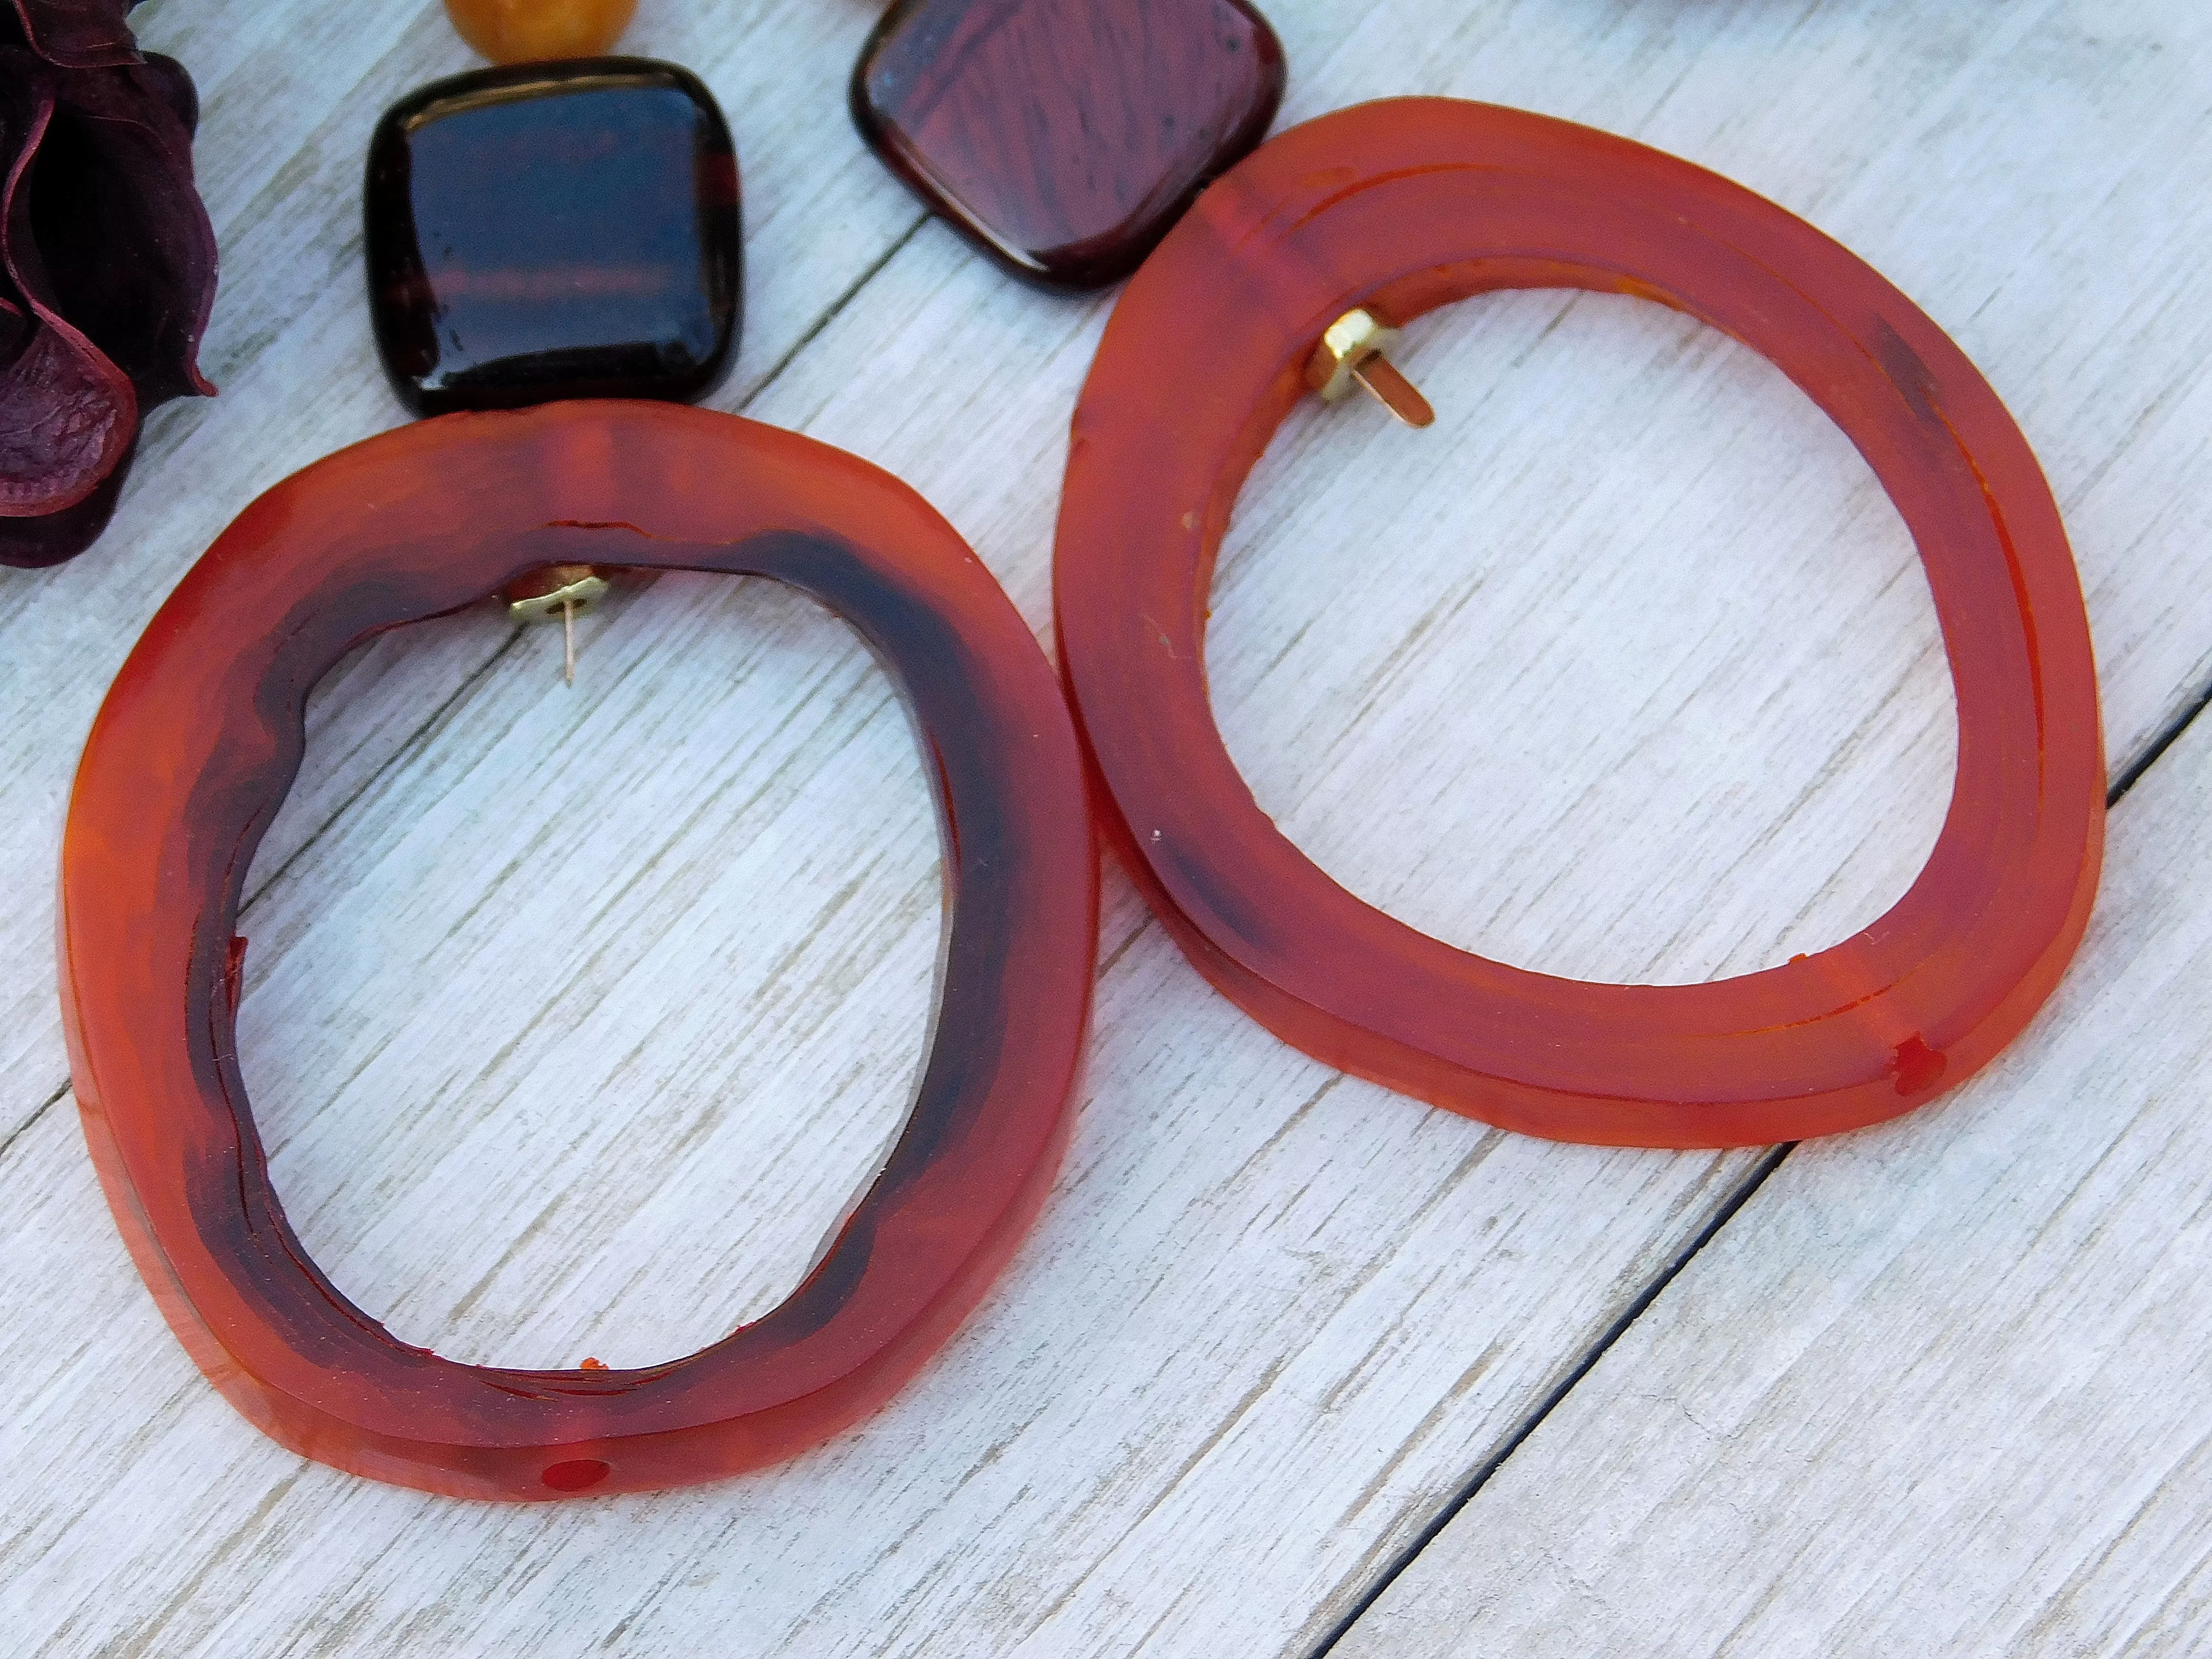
{"x":107,"y":264}
{"x":78,"y":34}
{"x":176,"y":89}
{"x":30,"y":544}
{"x":68,"y":418}
{"x":66,"y":414}
{"x":126,"y":243}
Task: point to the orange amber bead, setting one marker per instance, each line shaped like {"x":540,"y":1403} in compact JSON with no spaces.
{"x":200,"y":738}
{"x":1405,"y":205}
{"x":525,"y":31}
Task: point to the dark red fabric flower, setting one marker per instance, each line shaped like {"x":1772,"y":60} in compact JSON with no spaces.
{"x":106,"y":264}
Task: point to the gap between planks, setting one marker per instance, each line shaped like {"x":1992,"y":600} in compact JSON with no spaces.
{"x":2129,"y":776}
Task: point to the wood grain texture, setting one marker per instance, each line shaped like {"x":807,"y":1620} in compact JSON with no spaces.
{"x":1270,"y":1320}
{"x":1943,"y":1386}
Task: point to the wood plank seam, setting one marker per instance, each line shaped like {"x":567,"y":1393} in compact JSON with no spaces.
{"x":2127,"y":780}
{"x":1814,"y":1492}
{"x":830,"y":314}
{"x":2156,"y":748}
{"x":21,"y":1129}
{"x":1580,"y":1368}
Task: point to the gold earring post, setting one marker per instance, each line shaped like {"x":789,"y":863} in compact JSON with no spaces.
{"x":1351,"y":353}
{"x":558,"y":590}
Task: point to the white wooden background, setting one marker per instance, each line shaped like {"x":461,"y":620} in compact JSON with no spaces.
{"x":573,"y":1017}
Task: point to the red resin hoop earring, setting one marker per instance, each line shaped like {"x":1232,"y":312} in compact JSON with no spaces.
{"x":1401,"y":206}
{"x":201,"y":737}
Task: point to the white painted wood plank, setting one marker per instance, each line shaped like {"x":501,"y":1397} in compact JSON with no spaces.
{"x":1943,"y":1386}
{"x":289,"y":95}
{"x":1270,"y":1320}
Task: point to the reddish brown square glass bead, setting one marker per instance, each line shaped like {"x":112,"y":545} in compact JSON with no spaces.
{"x":554,"y":230}
{"x":1064,"y":137}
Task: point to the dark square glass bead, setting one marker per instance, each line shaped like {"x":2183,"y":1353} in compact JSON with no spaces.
{"x":1064,"y":137}
{"x":554,"y":230}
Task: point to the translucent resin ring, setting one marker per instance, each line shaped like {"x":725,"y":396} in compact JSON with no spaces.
{"x":1398,"y":207}
{"x":201,"y":737}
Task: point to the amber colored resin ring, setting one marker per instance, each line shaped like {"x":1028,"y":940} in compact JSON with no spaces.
{"x":200,"y":739}
{"x":1401,"y":206}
